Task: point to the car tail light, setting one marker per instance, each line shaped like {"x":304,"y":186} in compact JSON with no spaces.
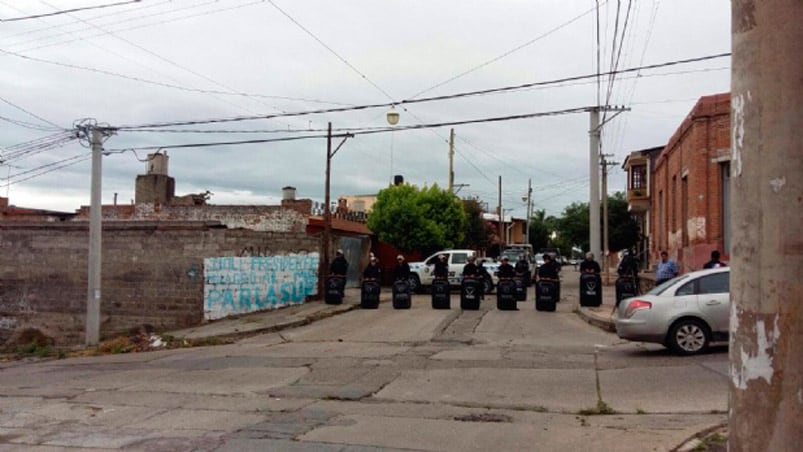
{"x":636,"y":305}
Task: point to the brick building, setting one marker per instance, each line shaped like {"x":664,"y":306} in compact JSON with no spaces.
{"x":689,"y":193}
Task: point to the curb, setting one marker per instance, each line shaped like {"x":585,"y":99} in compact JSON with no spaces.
{"x":593,"y":319}
{"x":237,"y":335}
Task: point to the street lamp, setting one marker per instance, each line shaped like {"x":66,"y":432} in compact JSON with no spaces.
{"x":392,"y":117}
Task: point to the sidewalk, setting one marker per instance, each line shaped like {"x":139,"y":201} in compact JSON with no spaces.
{"x":273,"y":320}
{"x":600,"y":316}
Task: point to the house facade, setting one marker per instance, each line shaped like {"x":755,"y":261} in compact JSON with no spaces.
{"x":687,"y":187}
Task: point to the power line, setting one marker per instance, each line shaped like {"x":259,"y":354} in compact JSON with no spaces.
{"x":156,"y":83}
{"x":67,"y":11}
{"x":29,"y":113}
{"x":62,"y":25}
{"x":331,"y":50}
{"x":509,"y":52}
{"x":370,"y":131}
{"x":505,"y":89}
{"x":175,"y":19}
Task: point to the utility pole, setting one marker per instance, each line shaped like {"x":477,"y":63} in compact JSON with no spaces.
{"x":766,"y":180}
{"x":605,"y":250}
{"x":593,"y":168}
{"x":501,"y":217}
{"x":327,"y":215}
{"x":451,"y":161}
{"x":327,"y":211}
{"x":93,"y":298}
{"x":529,"y":209}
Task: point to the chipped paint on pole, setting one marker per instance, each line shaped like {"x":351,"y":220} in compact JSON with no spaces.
{"x":766,"y":167}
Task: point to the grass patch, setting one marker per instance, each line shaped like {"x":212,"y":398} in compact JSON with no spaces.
{"x":602,"y":408}
{"x":713,"y":442}
{"x":38,"y":350}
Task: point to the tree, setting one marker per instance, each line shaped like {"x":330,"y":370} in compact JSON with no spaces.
{"x":623,"y":231}
{"x":478,"y":233}
{"x":539,"y":230}
{"x":423,"y":220}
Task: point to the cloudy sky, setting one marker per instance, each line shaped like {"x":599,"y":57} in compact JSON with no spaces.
{"x":160,"y":62}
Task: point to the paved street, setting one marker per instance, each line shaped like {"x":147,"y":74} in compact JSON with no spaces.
{"x":381,"y":379}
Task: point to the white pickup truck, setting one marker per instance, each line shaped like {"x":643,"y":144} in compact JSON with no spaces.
{"x":457,"y":259}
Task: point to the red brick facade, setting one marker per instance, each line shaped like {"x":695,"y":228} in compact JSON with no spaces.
{"x":687,"y":214}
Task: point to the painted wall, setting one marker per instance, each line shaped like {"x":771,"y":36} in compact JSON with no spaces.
{"x":239,"y":285}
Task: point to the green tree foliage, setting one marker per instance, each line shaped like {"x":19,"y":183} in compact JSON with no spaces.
{"x":573,"y":225}
{"x":539,"y":230}
{"x":423,"y":220}
{"x":623,"y":231}
{"x":478,"y":233}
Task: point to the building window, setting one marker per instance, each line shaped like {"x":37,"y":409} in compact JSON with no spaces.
{"x":638,"y":175}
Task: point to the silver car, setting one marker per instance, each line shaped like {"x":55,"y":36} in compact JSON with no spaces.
{"x":684,"y":314}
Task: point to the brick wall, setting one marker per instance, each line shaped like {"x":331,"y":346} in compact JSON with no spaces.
{"x":152,"y":273}
{"x":258,"y":218}
{"x":688,"y":172}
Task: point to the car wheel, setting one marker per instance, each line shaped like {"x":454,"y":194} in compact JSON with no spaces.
{"x":689,"y":337}
{"x":415,"y":284}
{"x":487,"y":285}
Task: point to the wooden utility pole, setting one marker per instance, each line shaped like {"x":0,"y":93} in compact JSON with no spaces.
{"x":766,"y":171}
{"x":501,"y":223}
{"x":451,"y":161}
{"x":606,"y":262}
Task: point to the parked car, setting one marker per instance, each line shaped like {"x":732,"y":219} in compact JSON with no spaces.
{"x":685,"y":314}
{"x":539,"y":260}
{"x":421,"y":272}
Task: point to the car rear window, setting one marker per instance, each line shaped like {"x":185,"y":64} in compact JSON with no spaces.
{"x":716,"y":283}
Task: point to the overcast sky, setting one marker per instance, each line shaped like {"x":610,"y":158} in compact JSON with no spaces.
{"x":163,"y":61}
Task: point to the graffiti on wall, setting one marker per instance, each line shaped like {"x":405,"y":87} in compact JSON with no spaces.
{"x":239,"y":285}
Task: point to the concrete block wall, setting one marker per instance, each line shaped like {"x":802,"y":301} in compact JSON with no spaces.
{"x":152,"y":273}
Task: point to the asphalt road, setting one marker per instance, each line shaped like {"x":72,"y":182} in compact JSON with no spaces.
{"x":370,"y":380}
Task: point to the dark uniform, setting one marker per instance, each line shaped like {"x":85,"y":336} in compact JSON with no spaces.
{"x":471,"y":270}
{"x":339,"y":266}
{"x":589,"y":265}
{"x":401,"y":270}
{"x":548,"y":269}
{"x":506,"y":270}
{"x":441,"y":269}
{"x":372,"y":271}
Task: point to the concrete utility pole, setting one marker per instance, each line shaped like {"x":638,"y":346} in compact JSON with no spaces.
{"x":93,"y":297}
{"x":593,"y":169}
{"x":766,"y":168}
{"x":451,"y":161}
